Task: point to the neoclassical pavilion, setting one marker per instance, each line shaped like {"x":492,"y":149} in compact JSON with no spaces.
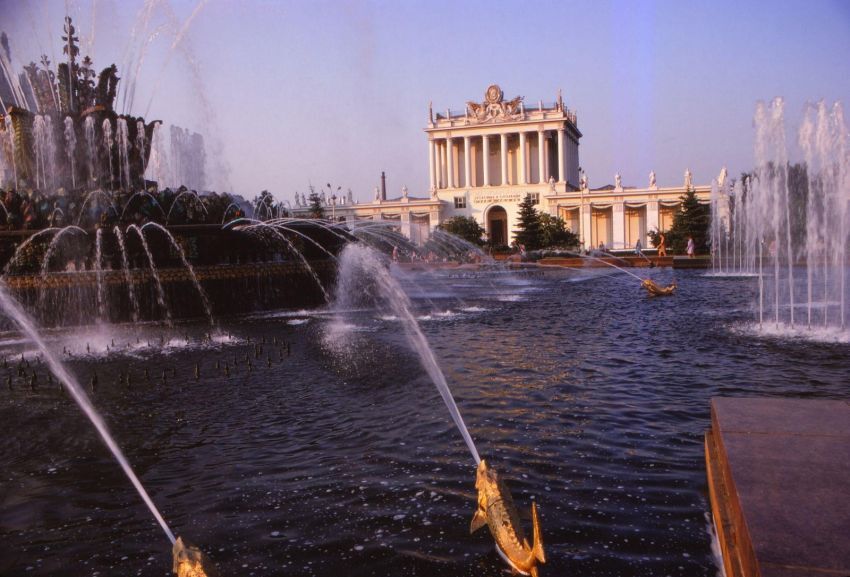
{"x":485,"y":159}
{"x":501,"y":143}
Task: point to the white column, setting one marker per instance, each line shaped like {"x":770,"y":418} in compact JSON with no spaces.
{"x":619,"y":226}
{"x":442,"y":150}
{"x":432,"y":171}
{"x":485,"y":149}
{"x":576,"y":162}
{"x":450,"y":176}
{"x":652,"y":215}
{"x":562,"y":177}
{"x":523,"y":179}
{"x":467,"y":172}
{"x":573,"y":161}
{"x":584,"y":226}
{"x":541,"y":159}
{"x":405,"y":224}
{"x":503,"y":149}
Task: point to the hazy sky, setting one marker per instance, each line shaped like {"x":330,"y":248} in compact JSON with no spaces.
{"x":289,"y":93}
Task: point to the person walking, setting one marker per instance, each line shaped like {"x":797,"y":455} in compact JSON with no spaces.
{"x":662,"y":244}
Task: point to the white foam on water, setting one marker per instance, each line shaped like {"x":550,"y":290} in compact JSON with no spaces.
{"x":799,"y":332}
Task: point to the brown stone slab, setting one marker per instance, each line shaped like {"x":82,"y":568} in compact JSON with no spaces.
{"x":786,"y":464}
{"x":788,"y":416}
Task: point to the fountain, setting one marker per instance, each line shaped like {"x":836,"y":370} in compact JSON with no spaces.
{"x":15,"y":312}
{"x":788,"y":223}
{"x":284,"y":457}
{"x":359,"y":262}
{"x":71,"y":148}
{"x":92,"y":174}
{"x":116,"y":262}
{"x":179,"y":250}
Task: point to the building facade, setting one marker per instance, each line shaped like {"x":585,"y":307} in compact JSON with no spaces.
{"x":485,"y":159}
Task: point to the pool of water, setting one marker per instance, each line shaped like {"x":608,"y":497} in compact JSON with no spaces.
{"x":336,"y":456}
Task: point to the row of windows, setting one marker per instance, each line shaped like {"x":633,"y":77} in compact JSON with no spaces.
{"x":460,"y":201}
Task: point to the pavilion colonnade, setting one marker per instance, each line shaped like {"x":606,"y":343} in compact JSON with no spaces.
{"x":617,"y":224}
{"x":502,"y":158}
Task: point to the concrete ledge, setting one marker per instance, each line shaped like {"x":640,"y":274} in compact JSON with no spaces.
{"x":696,"y":262}
{"x":778,"y":473}
{"x":599,"y":262}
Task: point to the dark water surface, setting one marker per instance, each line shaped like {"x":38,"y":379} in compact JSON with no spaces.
{"x":341,"y":459}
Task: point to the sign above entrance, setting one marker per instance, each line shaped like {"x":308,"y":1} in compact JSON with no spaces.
{"x":491,"y":197}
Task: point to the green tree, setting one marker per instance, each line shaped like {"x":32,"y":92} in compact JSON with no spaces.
{"x":317,"y":209}
{"x":691,"y":219}
{"x":466,"y":227}
{"x":529,"y":233}
{"x":264,"y":205}
{"x":554,"y":232}
{"x":798,"y":198}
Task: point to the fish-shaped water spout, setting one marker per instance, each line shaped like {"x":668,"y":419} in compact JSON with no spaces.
{"x":496,"y":509}
{"x":187,"y":560}
{"x":656,"y":290}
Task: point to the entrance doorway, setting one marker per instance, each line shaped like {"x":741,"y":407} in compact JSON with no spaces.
{"x":497,"y":225}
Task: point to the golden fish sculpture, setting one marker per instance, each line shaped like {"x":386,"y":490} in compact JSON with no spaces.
{"x":187,"y":560}
{"x":655,"y":290}
{"x":496,"y":510}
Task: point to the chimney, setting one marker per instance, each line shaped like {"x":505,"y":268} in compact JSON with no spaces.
{"x":383,"y":186}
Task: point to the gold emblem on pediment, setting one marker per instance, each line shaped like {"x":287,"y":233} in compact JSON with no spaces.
{"x":494,"y":108}
{"x":494,"y":94}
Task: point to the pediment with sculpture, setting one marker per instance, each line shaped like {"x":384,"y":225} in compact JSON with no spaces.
{"x":495,"y":108}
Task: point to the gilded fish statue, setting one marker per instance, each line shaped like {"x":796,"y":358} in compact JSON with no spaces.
{"x":496,"y":510}
{"x":187,"y":560}
{"x":655,"y":290}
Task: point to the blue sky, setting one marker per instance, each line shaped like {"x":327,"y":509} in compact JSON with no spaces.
{"x":289,"y":93}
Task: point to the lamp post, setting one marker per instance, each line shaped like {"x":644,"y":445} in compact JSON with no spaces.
{"x":581,"y":230}
{"x":333,"y":207}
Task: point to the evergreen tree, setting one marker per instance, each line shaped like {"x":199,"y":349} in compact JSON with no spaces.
{"x":317,"y":209}
{"x":466,"y":227}
{"x":554,"y":232}
{"x":691,"y":219}
{"x":529,"y":233}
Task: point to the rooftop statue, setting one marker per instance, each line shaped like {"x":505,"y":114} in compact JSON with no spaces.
{"x":721,"y":178}
{"x":652,"y":180}
{"x":688,"y":179}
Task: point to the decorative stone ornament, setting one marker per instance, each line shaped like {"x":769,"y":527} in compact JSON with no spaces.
{"x":494,"y":108}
